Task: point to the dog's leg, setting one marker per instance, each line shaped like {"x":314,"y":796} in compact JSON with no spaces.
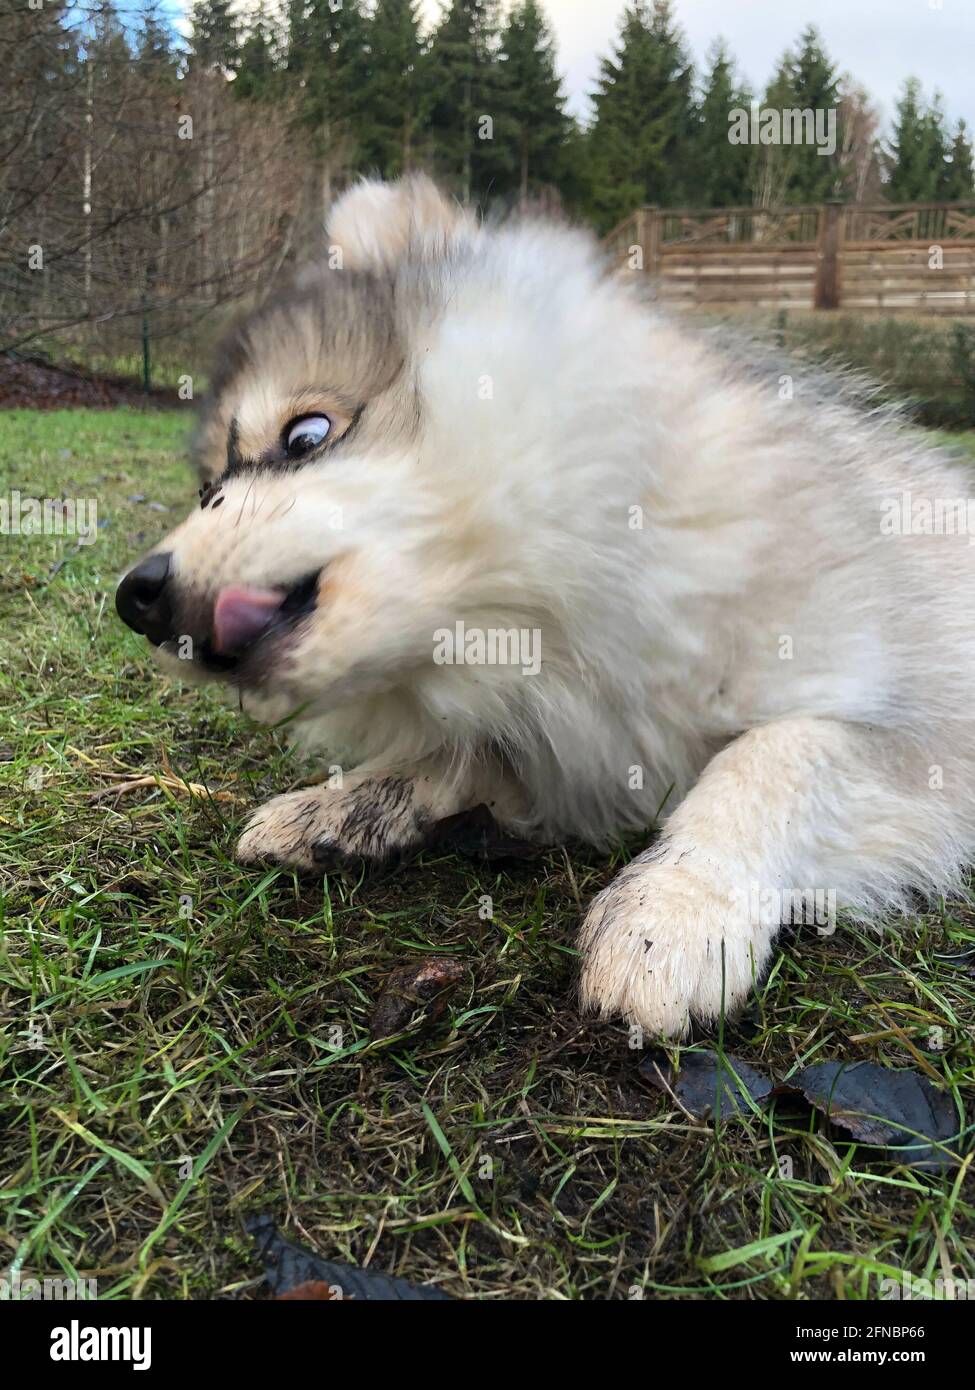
{"x":790,"y":809}
{"x":372,"y":816}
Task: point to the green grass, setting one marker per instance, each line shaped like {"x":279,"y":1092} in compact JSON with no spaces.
{"x":927,"y":361}
{"x":962,"y":444}
{"x":185,"y":1042}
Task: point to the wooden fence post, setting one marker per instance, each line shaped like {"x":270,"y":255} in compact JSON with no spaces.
{"x":647,"y":231}
{"x":827,"y":289}
{"x":651,"y":240}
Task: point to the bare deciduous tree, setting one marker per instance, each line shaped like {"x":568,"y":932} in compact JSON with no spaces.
{"x":129,"y":184}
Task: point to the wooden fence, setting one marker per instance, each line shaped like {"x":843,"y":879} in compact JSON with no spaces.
{"x":908,"y":258}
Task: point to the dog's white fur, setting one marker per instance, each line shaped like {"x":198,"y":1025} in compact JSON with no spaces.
{"x":724,"y":625}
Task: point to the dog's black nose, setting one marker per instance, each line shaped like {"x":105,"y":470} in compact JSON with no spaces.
{"x":142,"y":601}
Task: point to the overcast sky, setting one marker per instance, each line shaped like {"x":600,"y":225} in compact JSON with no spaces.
{"x":879,"y":41}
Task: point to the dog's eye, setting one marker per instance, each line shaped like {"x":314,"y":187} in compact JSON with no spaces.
{"x":303,"y":435}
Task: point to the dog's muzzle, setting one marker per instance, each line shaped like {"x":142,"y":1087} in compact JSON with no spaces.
{"x":223,"y":630}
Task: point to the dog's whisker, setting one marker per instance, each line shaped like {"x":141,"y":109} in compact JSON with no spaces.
{"x":243,"y":504}
{"x":278,"y":512}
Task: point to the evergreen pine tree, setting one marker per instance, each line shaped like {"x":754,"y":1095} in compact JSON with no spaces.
{"x":533,"y":117}
{"x":464,"y":81}
{"x":327,"y":60}
{"x":258,"y":68}
{"x":917,"y":153}
{"x":959,"y":181}
{"x":805,"y":80}
{"x":397,"y":97}
{"x":213,"y":38}
{"x":640,"y":143}
{"x":940,"y":145}
{"x":722,"y":169}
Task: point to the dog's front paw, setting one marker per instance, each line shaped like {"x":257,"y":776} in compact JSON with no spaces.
{"x":320,"y":828}
{"x":653,"y":944}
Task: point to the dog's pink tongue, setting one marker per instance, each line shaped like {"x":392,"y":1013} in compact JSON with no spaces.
{"x":241,"y":615}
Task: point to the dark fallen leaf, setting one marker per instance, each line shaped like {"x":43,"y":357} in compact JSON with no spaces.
{"x":477,"y":835}
{"x":424,"y":983}
{"x":288,"y":1267}
{"x":747,"y":1025}
{"x":898,"y":1110}
{"x":708,"y":1082}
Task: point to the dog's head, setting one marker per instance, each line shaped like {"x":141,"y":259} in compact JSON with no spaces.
{"x":381,"y":455}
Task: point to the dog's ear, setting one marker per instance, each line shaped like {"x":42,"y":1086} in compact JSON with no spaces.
{"x":375,"y":224}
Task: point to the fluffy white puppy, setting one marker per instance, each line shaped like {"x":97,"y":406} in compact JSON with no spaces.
{"x":493,"y":530}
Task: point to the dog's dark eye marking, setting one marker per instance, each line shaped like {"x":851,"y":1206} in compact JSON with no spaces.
{"x":293,"y":449}
{"x":210,"y":493}
{"x":236,"y":463}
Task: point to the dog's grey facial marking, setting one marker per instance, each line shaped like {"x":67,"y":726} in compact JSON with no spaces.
{"x":322,"y":343}
{"x":237,"y":465}
{"x":235,"y":458}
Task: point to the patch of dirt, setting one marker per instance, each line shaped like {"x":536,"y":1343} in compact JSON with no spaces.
{"x":34,"y":383}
